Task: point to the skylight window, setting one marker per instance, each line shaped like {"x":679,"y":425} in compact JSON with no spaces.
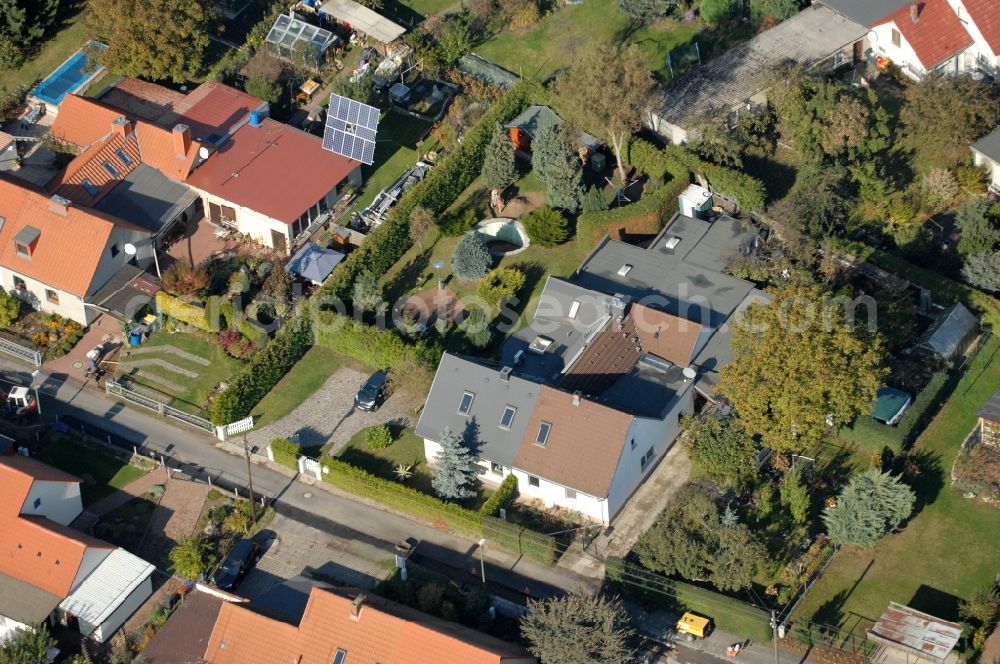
{"x":89,"y":187}
{"x":508,"y":417}
{"x":574,"y":308}
{"x":466,"y":404}
{"x":110,"y":168}
{"x":339,"y":656}
{"x":540,"y":345}
{"x":543,"y":433}
{"x":673,"y":242}
{"x":624,"y":269}
{"x":123,"y":158}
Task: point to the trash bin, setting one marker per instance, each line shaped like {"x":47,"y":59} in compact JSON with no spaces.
{"x":134,"y":338}
{"x":598,"y":162}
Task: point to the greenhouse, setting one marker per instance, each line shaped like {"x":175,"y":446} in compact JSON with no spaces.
{"x":300,"y":42}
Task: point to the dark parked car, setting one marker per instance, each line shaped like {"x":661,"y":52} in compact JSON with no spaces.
{"x":237,"y":564}
{"x":372,"y":393}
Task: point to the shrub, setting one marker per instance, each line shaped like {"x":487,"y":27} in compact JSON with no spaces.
{"x":972,"y":178}
{"x":186,"y":312}
{"x":235,"y":344}
{"x":982,"y":270}
{"x":940,"y":188}
{"x":286,"y":452}
{"x":747,"y":191}
{"x":191,"y":557}
{"x":260,"y":87}
{"x":239,"y":282}
{"x":546,"y":227}
{"x":476,"y":328}
{"x":525,"y":17}
{"x":379,"y":437}
{"x":593,"y":201}
{"x":500,"y":284}
{"x":471,"y":260}
{"x":10,"y":308}
{"x":646,"y":216}
{"x":183,"y":280}
{"x":502,"y":497}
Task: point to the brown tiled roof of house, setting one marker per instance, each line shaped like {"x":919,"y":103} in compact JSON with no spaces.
{"x":986,"y":15}
{"x":936,"y":35}
{"x":142,"y":99}
{"x":584,"y":444}
{"x":274,"y":169}
{"x":82,"y":121}
{"x":156,"y":145}
{"x":89,"y":166}
{"x":69,"y":244}
{"x":611,"y":354}
{"x":183,"y":639}
{"x":211,"y":109}
{"x":35,"y":469}
{"x":991,"y":649}
{"x":382,"y":633}
{"x":665,"y":335}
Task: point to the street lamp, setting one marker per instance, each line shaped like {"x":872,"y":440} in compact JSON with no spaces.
{"x":438,"y":266}
{"x":482,"y":562}
{"x":34,"y":386}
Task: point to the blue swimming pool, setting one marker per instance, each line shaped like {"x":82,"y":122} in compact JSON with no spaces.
{"x":69,"y":78}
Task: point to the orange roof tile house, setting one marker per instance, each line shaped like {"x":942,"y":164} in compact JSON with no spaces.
{"x":49,"y":571}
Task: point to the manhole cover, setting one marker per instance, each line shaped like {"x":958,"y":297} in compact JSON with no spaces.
{"x":77,"y":364}
{"x":307,"y":494}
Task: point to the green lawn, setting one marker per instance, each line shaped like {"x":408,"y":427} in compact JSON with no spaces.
{"x":102,"y":472}
{"x":947,"y":550}
{"x":395,"y":152}
{"x":307,"y":376}
{"x":193,"y":397}
{"x":52,"y":54}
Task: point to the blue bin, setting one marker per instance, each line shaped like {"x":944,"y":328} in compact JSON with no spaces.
{"x":134,"y":339}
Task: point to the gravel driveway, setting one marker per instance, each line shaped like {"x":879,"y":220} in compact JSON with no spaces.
{"x":330,"y":414}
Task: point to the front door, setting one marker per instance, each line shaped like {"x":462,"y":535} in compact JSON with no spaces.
{"x":859,"y":51}
{"x":278,"y":242}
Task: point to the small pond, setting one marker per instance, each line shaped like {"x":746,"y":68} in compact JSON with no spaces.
{"x":503,"y":236}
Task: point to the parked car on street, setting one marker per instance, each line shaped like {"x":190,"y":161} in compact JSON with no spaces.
{"x":237,"y":564}
{"x":372,"y":393}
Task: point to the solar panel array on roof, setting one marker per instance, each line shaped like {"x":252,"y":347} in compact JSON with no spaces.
{"x":351,"y":128}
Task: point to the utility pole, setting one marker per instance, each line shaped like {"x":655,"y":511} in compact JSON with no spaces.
{"x":253,"y":506}
{"x":774,"y":636}
{"x":482,"y":562}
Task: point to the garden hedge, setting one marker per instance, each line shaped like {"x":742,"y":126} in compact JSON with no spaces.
{"x":235,"y":320}
{"x":286,"y":452}
{"x":505,"y":493}
{"x":727,"y":613}
{"x":646,"y":216}
{"x":261,"y":373}
{"x":449,"y":178}
{"x":520,"y":540}
{"x":186,"y":312}
{"x":377,"y":348}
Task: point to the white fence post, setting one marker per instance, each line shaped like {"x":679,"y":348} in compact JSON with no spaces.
{"x":270,"y":454}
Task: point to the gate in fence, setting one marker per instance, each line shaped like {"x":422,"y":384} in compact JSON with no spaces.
{"x":21,"y":352}
{"x":115,"y":389}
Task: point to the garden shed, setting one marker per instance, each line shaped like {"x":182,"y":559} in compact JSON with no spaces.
{"x":525,"y":126}
{"x":908,"y":635}
{"x":293,"y":39}
{"x":950,"y":334}
{"x":363,"y":20}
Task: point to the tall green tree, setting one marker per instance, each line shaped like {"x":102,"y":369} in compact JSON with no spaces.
{"x":872,"y":504}
{"x":564,"y":187}
{"x":982,"y":270}
{"x":455,"y":475}
{"x":471,"y":260}
{"x":191,"y":557}
{"x":979,"y":231}
{"x":799,"y":360}
{"x":795,"y":495}
{"x":499,"y":168}
{"x":165,"y":40}
{"x":546,"y":147}
{"x":579,"y":627}
{"x":606,"y":93}
{"x":367,"y":292}
{"x":23,"y":23}
{"x":721,"y":449}
{"x":27,"y":646}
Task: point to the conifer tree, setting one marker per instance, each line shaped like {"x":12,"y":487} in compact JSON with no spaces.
{"x":499,"y":169}
{"x":455,"y":474}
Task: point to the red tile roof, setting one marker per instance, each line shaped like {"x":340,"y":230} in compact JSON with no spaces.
{"x":33,"y":549}
{"x":70,"y":245}
{"x":142,"y":99}
{"x":937,"y":35}
{"x":82,"y":121}
{"x":211,"y":109}
{"x":88,"y":165}
{"x":986,"y":15}
{"x":156,"y":145}
{"x":383,"y":633}
{"x":273,"y":169}
{"x":5,"y":140}
{"x":34,"y":469}
{"x":584,"y":444}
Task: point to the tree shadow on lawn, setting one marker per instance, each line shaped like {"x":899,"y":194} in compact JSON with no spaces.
{"x":413,"y":276}
{"x":831,"y":612}
{"x":923,"y":472}
{"x":778,"y":178}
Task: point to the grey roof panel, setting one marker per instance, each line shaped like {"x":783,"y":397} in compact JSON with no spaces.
{"x":534,"y":118}
{"x":25,"y":603}
{"x":457,"y":375}
{"x":865,"y":12}
{"x":946,"y":335}
{"x":147,"y":198}
{"x":989,"y":145}
{"x":27,"y":235}
{"x":991,"y":409}
{"x":745,"y":70}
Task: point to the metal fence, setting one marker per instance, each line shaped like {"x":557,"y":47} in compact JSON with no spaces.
{"x":116,"y":389}
{"x":21,"y":352}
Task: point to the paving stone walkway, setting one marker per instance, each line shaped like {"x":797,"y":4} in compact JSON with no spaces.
{"x":176,"y":516}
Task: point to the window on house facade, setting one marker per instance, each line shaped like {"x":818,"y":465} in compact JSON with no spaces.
{"x":632,"y":444}
{"x":896,"y":39}
{"x":51,"y":296}
{"x":647,"y":458}
{"x":19,"y":284}
{"x":508,"y":417}
{"x":543,"y":433}
{"x":496,"y":468}
{"x":570,"y":494}
{"x":532,"y":481}
{"x":465,"y":405}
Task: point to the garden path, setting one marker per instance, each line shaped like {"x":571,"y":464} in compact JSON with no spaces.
{"x":110,"y":503}
{"x":330,"y":414}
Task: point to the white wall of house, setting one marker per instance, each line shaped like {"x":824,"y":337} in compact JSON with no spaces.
{"x":38,"y":295}
{"x":979,"y":55}
{"x":903,"y":55}
{"x":558,"y":495}
{"x":992,"y":167}
{"x":59,"y":501}
{"x":92,"y":557}
{"x":110,"y":264}
{"x":129,"y":604}
{"x":9,"y":628}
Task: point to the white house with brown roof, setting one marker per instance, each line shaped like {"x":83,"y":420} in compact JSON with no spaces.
{"x":50,"y":572}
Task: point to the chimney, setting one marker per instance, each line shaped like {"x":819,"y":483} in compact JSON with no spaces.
{"x":59,"y":204}
{"x":121,"y":127}
{"x":182,"y":140}
{"x":914,"y":11}
{"x":356,"y":606}
{"x":505,"y":374}
{"x":576,"y":398}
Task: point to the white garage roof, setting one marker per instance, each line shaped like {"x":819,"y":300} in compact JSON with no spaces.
{"x":107,"y":587}
{"x":363,"y":19}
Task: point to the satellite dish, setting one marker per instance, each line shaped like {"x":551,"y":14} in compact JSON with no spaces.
{"x":203,"y":152}
{"x":689,"y":373}
{"x":130,"y":249}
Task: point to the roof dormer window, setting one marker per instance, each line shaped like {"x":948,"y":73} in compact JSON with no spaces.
{"x":673,"y":242}
{"x":112,"y":171}
{"x":24,"y":241}
{"x":574,"y":309}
